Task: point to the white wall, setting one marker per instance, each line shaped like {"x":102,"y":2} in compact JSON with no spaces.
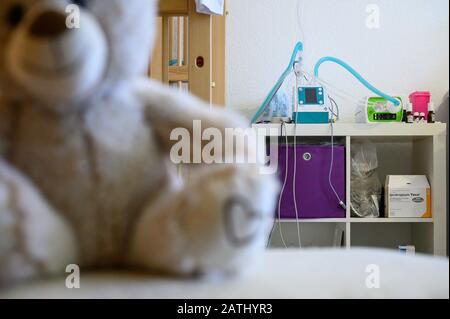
{"x":410,"y":50}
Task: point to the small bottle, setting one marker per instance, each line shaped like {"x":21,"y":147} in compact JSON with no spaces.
{"x":422,"y":118}
{"x":431,"y":113}
{"x":416,"y":117}
{"x":409,"y":114}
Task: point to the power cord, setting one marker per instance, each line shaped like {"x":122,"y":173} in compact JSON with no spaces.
{"x":278,"y":219}
{"x":333,"y":103}
{"x":298,"y":75}
{"x":294,"y":187}
{"x":284,"y":185}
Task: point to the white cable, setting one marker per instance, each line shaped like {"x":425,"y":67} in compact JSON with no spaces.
{"x":284,"y":186}
{"x":333,"y":102}
{"x":332,"y":163}
{"x":329,"y":85}
{"x":341,"y":203}
{"x":283,"y":124}
{"x":279,"y":200}
{"x":341,"y":93}
{"x":298,"y":76}
{"x":347,"y":100}
{"x":300,"y":7}
{"x":294,"y":187}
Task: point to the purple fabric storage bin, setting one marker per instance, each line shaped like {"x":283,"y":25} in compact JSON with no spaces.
{"x":315,"y":198}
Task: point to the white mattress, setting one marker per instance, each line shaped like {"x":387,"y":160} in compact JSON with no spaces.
{"x":278,"y":274}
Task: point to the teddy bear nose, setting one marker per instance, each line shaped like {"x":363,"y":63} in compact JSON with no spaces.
{"x":48,"y":24}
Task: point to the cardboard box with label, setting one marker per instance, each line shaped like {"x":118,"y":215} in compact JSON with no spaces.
{"x":408,"y":196}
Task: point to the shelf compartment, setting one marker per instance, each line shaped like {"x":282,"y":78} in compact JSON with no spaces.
{"x":401,"y":156}
{"x":406,"y":150}
{"x":393,"y":235}
{"x":311,"y":234}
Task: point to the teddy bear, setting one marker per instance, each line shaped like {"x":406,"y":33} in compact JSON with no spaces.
{"x":86,"y":176}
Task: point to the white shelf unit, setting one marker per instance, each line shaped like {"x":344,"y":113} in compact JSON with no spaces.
{"x":403,"y":149}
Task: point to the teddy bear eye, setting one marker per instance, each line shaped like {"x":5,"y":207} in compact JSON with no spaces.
{"x":81,"y":3}
{"x":15,"y":15}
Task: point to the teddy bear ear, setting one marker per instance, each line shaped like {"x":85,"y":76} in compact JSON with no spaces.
{"x":130,"y":27}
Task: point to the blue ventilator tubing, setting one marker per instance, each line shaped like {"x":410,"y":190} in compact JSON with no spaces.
{"x":290,"y":68}
{"x":356,"y":75}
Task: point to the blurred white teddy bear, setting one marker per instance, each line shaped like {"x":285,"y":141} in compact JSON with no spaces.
{"x":84,"y":171}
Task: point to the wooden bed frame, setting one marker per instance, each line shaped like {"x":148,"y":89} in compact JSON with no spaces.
{"x":190,"y":50}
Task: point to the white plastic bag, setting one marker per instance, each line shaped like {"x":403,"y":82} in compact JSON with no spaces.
{"x":215,"y":7}
{"x":278,"y":107}
{"x":365,"y":184}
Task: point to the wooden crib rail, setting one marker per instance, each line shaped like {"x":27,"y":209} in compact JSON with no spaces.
{"x":190,"y":50}
{"x":174,"y":7}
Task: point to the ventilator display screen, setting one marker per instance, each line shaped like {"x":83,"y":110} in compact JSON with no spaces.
{"x":385,"y":117}
{"x":311,"y":96}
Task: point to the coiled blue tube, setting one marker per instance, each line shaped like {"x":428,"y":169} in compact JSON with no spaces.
{"x":298,"y":48}
{"x":356,"y":75}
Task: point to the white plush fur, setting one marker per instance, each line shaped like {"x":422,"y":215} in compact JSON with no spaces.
{"x":86,"y":46}
{"x":33,"y":239}
{"x":95,"y":157}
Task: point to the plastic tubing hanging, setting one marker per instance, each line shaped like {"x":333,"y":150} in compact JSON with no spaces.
{"x":363,"y":81}
{"x":290,"y":68}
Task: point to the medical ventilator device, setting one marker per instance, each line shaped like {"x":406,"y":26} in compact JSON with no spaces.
{"x":311,"y":97}
{"x":380,"y":110}
{"x":313,"y":105}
